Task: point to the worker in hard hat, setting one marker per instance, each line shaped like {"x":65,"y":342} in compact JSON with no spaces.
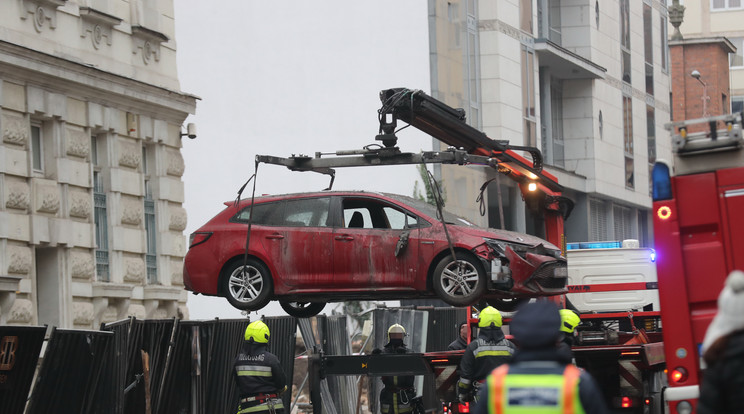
{"x":487,"y":352}
{"x":539,"y":379}
{"x":398,"y":394}
{"x":569,"y":321}
{"x":257,"y":372}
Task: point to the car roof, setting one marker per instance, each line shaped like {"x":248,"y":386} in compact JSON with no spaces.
{"x":273,"y":197}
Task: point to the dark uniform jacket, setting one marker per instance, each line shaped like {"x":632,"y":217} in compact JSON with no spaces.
{"x":490,"y":350}
{"x":398,"y":391}
{"x":457,"y":344}
{"x":261,"y":371}
{"x":551,"y":361}
{"x":722,"y":390}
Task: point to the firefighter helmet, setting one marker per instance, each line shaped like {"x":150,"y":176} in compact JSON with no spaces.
{"x":489,"y":316}
{"x":397,"y":331}
{"x":569,"y":320}
{"x":257,"y":332}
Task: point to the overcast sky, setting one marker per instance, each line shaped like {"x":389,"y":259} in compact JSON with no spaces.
{"x":292,"y":77}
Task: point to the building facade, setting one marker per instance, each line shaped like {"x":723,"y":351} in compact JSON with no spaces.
{"x":705,"y":19}
{"x":585,"y":81}
{"x":91,"y":113}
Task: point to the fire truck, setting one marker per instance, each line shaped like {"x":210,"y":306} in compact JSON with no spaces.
{"x":698,"y":239}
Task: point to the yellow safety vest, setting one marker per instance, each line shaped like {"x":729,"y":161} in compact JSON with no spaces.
{"x":534,"y":393}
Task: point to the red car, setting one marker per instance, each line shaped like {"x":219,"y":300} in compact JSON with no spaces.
{"x":309,"y":249}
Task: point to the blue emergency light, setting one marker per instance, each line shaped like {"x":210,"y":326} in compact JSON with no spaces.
{"x":594,"y":245}
{"x":662,"y":183}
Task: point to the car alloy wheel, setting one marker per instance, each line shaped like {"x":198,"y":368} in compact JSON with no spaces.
{"x":302,"y":309}
{"x":247,"y":287}
{"x":460,"y":282}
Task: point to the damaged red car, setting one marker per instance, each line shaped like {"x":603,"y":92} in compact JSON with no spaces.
{"x":308,"y":249}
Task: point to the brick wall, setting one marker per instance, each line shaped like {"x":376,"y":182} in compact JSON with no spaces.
{"x":711,"y":60}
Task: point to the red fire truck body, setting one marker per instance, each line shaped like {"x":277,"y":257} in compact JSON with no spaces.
{"x":699,"y":240}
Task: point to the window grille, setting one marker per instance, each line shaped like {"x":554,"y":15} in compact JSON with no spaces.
{"x":598,"y":220}
{"x":101,"y":223}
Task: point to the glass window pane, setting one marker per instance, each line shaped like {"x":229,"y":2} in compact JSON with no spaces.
{"x":36,"y":147}
{"x":649,"y":79}
{"x":737,"y":104}
{"x":625,"y":66}
{"x":664,"y":44}
{"x":266,"y":214}
{"x":737,"y":59}
{"x":525,"y":15}
{"x":647,"y":34}
{"x":719,"y":4}
{"x":629,"y":176}
{"x":312,"y":212}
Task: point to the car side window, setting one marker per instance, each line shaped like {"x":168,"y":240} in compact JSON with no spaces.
{"x":372,"y":214}
{"x":307,"y":212}
{"x":399,"y":220}
{"x":265,"y":214}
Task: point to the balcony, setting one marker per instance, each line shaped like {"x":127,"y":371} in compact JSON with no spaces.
{"x":565,"y":64}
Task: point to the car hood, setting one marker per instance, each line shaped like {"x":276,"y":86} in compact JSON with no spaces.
{"x":509,"y":236}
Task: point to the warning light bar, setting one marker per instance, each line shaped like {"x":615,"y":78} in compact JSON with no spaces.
{"x":594,"y":245}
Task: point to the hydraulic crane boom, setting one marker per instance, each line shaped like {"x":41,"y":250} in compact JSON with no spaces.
{"x":468,"y":146}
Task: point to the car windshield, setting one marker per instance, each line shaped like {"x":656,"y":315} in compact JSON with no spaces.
{"x":431,"y":210}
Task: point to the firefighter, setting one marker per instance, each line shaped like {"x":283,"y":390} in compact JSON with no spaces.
{"x":569,"y":321}
{"x":462,"y":338}
{"x":723,"y":351}
{"x":258,"y":374}
{"x":490,"y":350}
{"x":539,"y":379}
{"x":398,"y":394}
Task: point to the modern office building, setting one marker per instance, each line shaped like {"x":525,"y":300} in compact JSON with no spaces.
{"x":91,"y":113}
{"x":585,"y":81}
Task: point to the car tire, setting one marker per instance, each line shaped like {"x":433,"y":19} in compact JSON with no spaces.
{"x":251,"y":291}
{"x":507,"y":305}
{"x":302,"y":309}
{"x":461,"y":282}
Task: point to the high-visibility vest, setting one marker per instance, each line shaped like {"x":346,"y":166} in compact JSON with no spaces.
{"x":534,"y":393}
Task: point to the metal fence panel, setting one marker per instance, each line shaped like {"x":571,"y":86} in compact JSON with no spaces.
{"x":19,"y":354}
{"x":310,"y":341}
{"x":282,"y":344}
{"x":444,"y":324}
{"x":336,"y":342}
{"x":69,"y":376}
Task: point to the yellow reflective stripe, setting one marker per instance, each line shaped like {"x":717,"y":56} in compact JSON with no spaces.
{"x":492,"y":353}
{"x":253,"y":368}
{"x":262,"y":407}
{"x":515,"y":382}
{"x":254,"y":374}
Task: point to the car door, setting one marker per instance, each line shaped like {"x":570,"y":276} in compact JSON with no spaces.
{"x":365,"y":243}
{"x":304,"y":257}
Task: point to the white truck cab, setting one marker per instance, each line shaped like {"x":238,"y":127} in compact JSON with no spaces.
{"x":596,"y":263}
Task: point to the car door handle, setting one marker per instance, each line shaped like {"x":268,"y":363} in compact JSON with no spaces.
{"x":275,"y":236}
{"x":345,"y":237}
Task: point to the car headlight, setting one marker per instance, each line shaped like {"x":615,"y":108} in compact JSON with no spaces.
{"x":499,"y":246}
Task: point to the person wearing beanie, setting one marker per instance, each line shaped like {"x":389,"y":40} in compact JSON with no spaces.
{"x":462,"y":338}
{"x":539,"y":378}
{"x":723,"y":352}
{"x":487,"y":352}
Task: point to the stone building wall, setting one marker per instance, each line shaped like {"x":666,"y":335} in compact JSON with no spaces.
{"x":91,"y":216}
